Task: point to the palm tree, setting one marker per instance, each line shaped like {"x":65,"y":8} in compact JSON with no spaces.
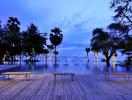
{"x":56,"y":38}
{"x":87,"y":51}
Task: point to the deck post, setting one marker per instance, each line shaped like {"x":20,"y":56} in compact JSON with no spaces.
{"x":8,"y":76}
{"x":26,"y":76}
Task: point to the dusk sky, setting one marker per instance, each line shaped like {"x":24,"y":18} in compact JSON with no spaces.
{"x":76,"y":18}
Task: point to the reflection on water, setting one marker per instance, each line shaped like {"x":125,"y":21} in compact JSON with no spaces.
{"x":78,"y":65}
{"x":96,"y":63}
{"x":78,"y":68}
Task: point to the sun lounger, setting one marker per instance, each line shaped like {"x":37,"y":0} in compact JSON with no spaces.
{"x":108,"y":74}
{"x":26,"y":74}
{"x":64,"y":74}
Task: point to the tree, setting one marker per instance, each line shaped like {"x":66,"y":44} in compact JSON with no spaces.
{"x":119,"y":30}
{"x":103,"y":42}
{"x":3,"y":42}
{"x":123,"y":15}
{"x":123,"y":38}
{"x":87,"y":51}
{"x":14,"y":37}
{"x":56,"y":38}
{"x":33,"y":40}
{"x":123,"y":10}
{"x":126,"y":48}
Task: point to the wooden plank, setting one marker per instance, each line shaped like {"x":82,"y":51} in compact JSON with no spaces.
{"x":85,"y":87}
{"x":16,"y":73}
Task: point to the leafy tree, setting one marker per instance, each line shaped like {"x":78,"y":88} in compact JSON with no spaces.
{"x":119,"y":30}
{"x":123,"y":10}
{"x":56,"y":38}
{"x":3,"y":42}
{"x":14,"y":37}
{"x":126,"y":48}
{"x":103,"y":42}
{"x":87,"y":51}
{"x":123,"y":38}
{"x":123,"y":15}
{"x":33,"y":40}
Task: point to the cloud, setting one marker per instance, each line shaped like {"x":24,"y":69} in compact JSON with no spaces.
{"x":76,"y":18}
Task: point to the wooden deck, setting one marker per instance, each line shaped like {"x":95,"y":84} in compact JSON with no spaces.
{"x":85,"y":87}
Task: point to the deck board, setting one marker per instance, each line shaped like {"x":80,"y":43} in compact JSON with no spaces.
{"x":84,"y":87}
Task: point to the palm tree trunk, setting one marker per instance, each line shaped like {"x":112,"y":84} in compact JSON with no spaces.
{"x":55,"y":56}
{"x":107,"y":61}
{"x":20,"y":58}
{"x":12,"y":59}
{"x":128,"y":62}
{"x":87,"y":57}
{"x":46,"y":59}
{"x":1,"y":59}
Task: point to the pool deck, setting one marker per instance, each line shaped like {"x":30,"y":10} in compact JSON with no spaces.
{"x":84,"y":87}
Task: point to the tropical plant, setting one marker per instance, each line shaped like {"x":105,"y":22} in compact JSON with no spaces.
{"x":87,"y":51}
{"x":56,"y":38}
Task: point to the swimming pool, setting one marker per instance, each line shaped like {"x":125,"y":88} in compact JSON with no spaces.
{"x":78,"y":68}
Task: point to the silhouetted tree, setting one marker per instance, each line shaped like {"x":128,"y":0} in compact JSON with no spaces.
{"x":123,"y":39}
{"x":123,"y":15}
{"x":103,"y":42}
{"x":123,"y":10}
{"x":14,"y":37}
{"x":3,"y":42}
{"x":87,"y":51}
{"x":56,"y":38}
{"x":126,"y":48}
{"x":119,"y":30}
{"x":33,"y":40}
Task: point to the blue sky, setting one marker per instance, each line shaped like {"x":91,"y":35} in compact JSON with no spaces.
{"x":76,"y":18}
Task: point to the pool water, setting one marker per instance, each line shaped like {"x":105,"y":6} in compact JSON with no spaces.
{"x":78,"y":68}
